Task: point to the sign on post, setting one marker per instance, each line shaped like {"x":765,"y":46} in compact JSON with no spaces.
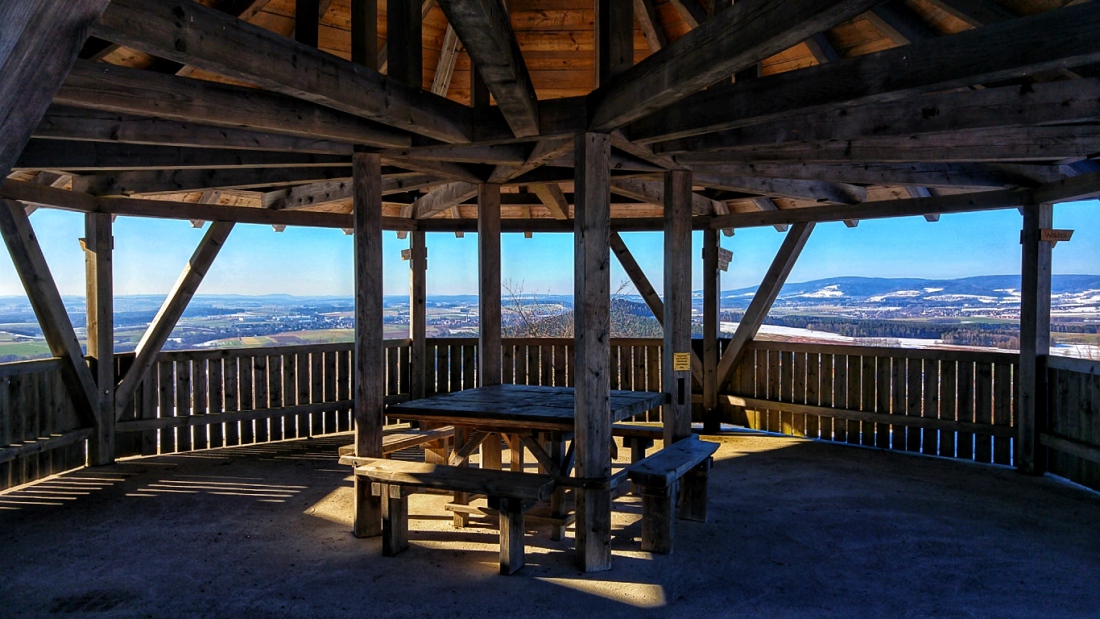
{"x":681,"y":362}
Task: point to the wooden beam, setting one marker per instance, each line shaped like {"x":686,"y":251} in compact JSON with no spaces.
{"x":151,"y":343}
{"x":69,"y":123}
{"x":542,"y":153}
{"x":176,"y":181}
{"x":188,"y":32}
{"x":767,"y":204}
{"x":370,"y":360}
{"x":959,"y":203}
{"x":821,"y":48}
{"x":924,"y":174}
{"x":445,"y":67}
{"x":364,"y":33}
{"x":1011,"y":144}
{"x":889,"y":75}
{"x":32,"y":269}
{"x":341,"y":190}
{"x":975,"y":12}
{"x":736,"y":38}
{"x":614,"y":31}
{"x":899,"y":23}
{"x":821,"y":191}
{"x":649,"y":20}
{"x":645,"y":289}
{"x":39,"y":41}
{"x":443,"y":198}
{"x":592,"y":330}
{"x":1034,"y":338}
{"x":712,"y":312}
{"x":677,"y":288}
{"x":115,"y":89}
{"x":485,"y":30}
{"x":404,"y":42}
{"x":1081,"y":187}
{"x":488,"y":290}
{"x":105,"y":156}
{"x":99,"y":306}
{"x":499,"y":154}
{"x":553,"y":199}
{"x":653,"y":192}
{"x":1075,"y":101}
{"x":445,"y":169}
{"x":762,"y":301}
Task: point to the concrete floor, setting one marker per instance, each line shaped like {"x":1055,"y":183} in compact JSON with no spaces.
{"x":797,"y":528}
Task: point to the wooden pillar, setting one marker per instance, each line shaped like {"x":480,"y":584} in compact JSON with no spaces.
{"x":307,"y":21}
{"x":677,"y":324}
{"x":1034,"y":338}
{"x":712,"y":289}
{"x":592,"y":306}
{"x":488,"y":253}
{"x":418,"y":294}
{"x":39,"y":41}
{"x":369,"y":354}
{"x":614,"y":38}
{"x":99,"y":304}
{"x":404,"y":42}
{"x":364,"y":33}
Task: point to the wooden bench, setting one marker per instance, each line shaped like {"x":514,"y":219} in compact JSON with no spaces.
{"x":404,"y":439}
{"x":509,"y":492}
{"x":658,"y":476}
{"x":637,"y":438}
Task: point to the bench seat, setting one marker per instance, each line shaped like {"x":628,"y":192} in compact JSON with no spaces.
{"x":404,"y":439}
{"x":509,"y":492}
{"x":684,"y":464}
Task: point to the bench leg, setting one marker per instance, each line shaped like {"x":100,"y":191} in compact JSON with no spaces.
{"x":556,"y":451}
{"x":693,"y":493}
{"x":461,"y":519}
{"x":368,"y":510}
{"x":395,"y":518}
{"x":657,"y":520}
{"x":511,"y":536}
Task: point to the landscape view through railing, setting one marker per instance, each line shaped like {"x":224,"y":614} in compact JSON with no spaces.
{"x":906,"y":312}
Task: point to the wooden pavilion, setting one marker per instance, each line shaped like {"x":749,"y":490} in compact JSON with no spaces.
{"x":539,"y":117}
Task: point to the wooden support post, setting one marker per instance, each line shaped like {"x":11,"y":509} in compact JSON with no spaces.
{"x":489,"y":313}
{"x":170,"y":311}
{"x":307,"y":21}
{"x":511,"y":535}
{"x":761,"y":303}
{"x":34,"y":272}
{"x":395,"y":516}
{"x":1034,"y":338}
{"x":556,"y":451}
{"x":418,"y":293}
{"x":39,"y":41}
{"x":693,"y":493}
{"x":676,"y":353}
{"x":364,"y":33}
{"x":99,"y":305}
{"x":370,"y":361}
{"x":491,"y":453}
{"x":614,"y":38}
{"x":592,"y":287}
{"x":404,"y":43}
{"x":712,"y":310}
{"x":657,"y":524}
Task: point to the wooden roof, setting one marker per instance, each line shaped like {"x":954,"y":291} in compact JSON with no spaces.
{"x":858,"y":109}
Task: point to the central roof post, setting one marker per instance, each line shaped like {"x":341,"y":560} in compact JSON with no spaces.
{"x":676,"y":355}
{"x":592,"y":326}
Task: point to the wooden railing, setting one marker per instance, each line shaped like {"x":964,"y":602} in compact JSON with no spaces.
{"x":1073,"y":431}
{"x":954,"y":404}
{"x":40,"y":434}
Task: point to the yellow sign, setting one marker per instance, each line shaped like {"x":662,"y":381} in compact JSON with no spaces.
{"x":681,"y":362}
{"x":1053,"y":236}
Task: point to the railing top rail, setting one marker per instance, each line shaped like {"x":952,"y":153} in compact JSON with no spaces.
{"x":1073,"y":364}
{"x":18,"y":368}
{"x":975,"y":356}
{"x":228,"y":353}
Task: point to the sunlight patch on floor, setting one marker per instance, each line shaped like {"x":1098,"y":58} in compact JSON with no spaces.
{"x":639,"y":595}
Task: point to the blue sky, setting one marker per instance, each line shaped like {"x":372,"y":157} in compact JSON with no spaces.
{"x":149,"y":254}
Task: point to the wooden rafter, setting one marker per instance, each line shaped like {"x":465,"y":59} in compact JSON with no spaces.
{"x":553,"y":199}
{"x":188,"y":32}
{"x":30,"y":264}
{"x":822,"y":191}
{"x":923,"y":174}
{"x":736,"y":38}
{"x":899,"y":23}
{"x":175,"y":181}
{"x":341,"y":190}
{"x":762,"y":301}
{"x":115,"y":89}
{"x":650,"y":22}
{"x":71,"y":155}
{"x":171,"y":310}
{"x":890,"y":74}
{"x":443,"y":198}
{"x":975,"y":12}
{"x":445,"y":67}
{"x":485,"y":30}
{"x":653,"y":192}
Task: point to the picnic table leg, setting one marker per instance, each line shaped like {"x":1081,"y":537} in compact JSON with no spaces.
{"x":511,"y":535}
{"x":461,"y":519}
{"x":435,"y":452}
{"x":395,"y":517}
{"x":515,"y":453}
{"x":693,"y":493}
{"x":657,"y":520}
{"x":368,"y":508}
{"x":491,"y":453}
